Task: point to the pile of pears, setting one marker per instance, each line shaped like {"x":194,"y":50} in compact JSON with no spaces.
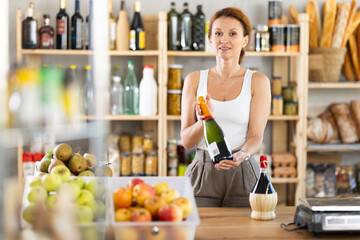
{"x":79,"y":165}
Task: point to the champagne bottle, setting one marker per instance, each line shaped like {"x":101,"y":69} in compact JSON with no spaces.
{"x":199,"y":30}
{"x":173,"y":28}
{"x":122,"y":29}
{"x":62,"y":27}
{"x":215,"y":140}
{"x":76,"y":28}
{"x":263,"y":184}
{"x":112,"y":28}
{"x":137,"y":33}
{"x":186,"y":29}
{"x":29,"y":28}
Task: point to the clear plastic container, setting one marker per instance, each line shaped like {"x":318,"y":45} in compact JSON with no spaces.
{"x":156,"y":229}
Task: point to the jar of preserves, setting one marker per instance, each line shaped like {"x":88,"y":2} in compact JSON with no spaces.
{"x":151,"y":164}
{"x":137,"y":140}
{"x":175,"y":77}
{"x":125,"y":142}
{"x":125,"y":164}
{"x":172,"y":147}
{"x":276,"y":85}
{"x":290,"y":108}
{"x":277,"y":105}
{"x":174,"y":102}
{"x":148,"y":143}
{"x":288,"y":93}
{"x":137,"y":164}
{"x":173,"y":160}
{"x":262,"y":38}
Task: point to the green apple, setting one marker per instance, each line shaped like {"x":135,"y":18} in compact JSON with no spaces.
{"x":85,"y":214}
{"x":36,"y":181}
{"x":37,"y":193}
{"x":101,"y":209}
{"x":51,"y":182}
{"x":79,"y":181}
{"x":97,"y":188}
{"x":29,"y":213}
{"x":62,"y":171}
{"x":87,"y":173}
{"x":70,"y":188}
{"x":94,"y":207}
{"x":85,"y":197}
{"x":52,"y":202}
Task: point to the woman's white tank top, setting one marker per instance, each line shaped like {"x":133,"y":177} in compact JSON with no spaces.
{"x":232,"y":116}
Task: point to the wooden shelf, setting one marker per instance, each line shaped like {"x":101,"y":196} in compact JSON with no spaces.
{"x":337,"y":85}
{"x":123,"y":118}
{"x":284,"y":180}
{"x":87,"y":52}
{"x":312,"y":147}
{"x":173,"y":117}
{"x":248,"y":53}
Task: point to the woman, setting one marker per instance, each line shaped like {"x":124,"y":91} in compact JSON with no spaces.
{"x":240,"y":101}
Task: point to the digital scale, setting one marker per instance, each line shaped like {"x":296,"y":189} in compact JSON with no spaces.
{"x":322,"y":215}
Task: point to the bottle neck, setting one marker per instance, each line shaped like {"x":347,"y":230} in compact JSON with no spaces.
{"x":122,"y":5}
{"x":77,"y":6}
{"x":30,"y":12}
{"x":205,"y":110}
{"x":137,"y":7}
{"x":47,"y":21}
{"x":62,"y":4}
{"x":110,"y":6}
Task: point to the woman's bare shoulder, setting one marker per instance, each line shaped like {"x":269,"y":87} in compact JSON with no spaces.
{"x":259,"y":82}
{"x":192,"y":79}
{"x":259,"y":77}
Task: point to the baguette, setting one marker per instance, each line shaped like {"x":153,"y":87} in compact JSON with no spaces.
{"x":358,"y":41}
{"x":354,"y":56}
{"x":350,"y":23}
{"x":318,"y":19}
{"x":313,"y":38}
{"x":294,"y":14}
{"x":342,"y":17}
{"x":347,"y":68}
{"x":328,"y":23}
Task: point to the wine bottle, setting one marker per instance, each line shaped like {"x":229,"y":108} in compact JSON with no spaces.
{"x":112,"y":28}
{"x":131,"y":92}
{"x":122,"y":29}
{"x":173,"y":22}
{"x":76,"y":28}
{"x":214,"y":138}
{"x":46,"y":34}
{"x":62,"y":27}
{"x":137,"y":33}
{"x":88,"y":28}
{"x":263,"y":185}
{"x":199,"y":30}
{"x":29,"y":28}
{"x":186,"y":29}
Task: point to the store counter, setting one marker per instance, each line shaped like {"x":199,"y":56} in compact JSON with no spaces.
{"x":235,"y":223}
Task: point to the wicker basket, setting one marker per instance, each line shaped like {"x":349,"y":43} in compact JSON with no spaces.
{"x":325,"y":64}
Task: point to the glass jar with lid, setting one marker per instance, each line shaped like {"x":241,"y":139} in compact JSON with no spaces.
{"x":175,"y":77}
{"x":262,"y":38}
{"x":151,"y":164}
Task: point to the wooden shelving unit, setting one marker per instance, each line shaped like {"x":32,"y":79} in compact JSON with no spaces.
{"x":123,"y":118}
{"x":87,"y":52}
{"x":333,"y":147}
{"x":337,"y":85}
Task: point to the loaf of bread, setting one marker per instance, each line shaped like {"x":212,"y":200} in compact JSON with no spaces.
{"x":313,"y":35}
{"x":328,"y":23}
{"x":347,"y":67}
{"x":344,"y":122}
{"x":350,"y":24}
{"x":294,"y":14}
{"x":328,"y":116}
{"x":354,"y":55}
{"x":355,"y":114}
{"x":317,"y":130}
{"x":318,"y":19}
{"x":342,"y":17}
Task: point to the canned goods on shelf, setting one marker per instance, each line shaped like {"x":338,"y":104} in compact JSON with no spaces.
{"x":151,"y":164}
{"x":288,"y":93}
{"x":174,"y":102}
{"x":137,"y":164}
{"x":276,"y":87}
{"x":125,"y":142}
{"x":172,"y":146}
{"x":172,"y":172}
{"x":125,"y":164}
{"x":274,"y":12}
{"x":148,"y":143}
{"x":262,"y":38}
{"x":175,"y":77}
{"x":277,"y":105}
{"x":277,"y":41}
{"x":292,"y":38}
{"x":137,"y":140}
{"x":173,"y":161}
{"x":290,"y":108}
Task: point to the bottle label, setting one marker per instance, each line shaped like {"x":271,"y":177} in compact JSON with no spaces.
{"x":142,"y":40}
{"x":213,"y":150}
{"x":132,"y":40}
{"x":112,"y":31}
{"x":46,"y":40}
{"x":78,"y":33}
{"x":60,"y":26}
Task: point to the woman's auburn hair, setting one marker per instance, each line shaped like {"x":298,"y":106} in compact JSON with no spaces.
{"x":237,"y":14}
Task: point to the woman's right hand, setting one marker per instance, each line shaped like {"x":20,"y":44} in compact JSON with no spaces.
{"x":209,"y":105}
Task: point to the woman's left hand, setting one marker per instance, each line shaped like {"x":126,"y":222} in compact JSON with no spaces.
{"x":239,"y":157}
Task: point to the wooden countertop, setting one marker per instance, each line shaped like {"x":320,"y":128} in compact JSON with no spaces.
{"x":235,"y":223}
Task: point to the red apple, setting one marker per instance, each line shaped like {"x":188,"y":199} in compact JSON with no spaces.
{"x":185,"y":205}
{"x":141,"y":192}
{"x":153,"y":204}
{"x":170,"y":195}
{"x":133,"y":182}
{"x":170,"y":213}
{"x":122,"y":198}
{"x":140,"y":215}
{"x":122,"y":215}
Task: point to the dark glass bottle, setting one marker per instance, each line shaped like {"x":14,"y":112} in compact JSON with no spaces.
{"x":214,"y":136}
{"x":76,"y":28}
{"x":173,"y":23}
{"x":29,"y":30}
{"x":199,"y":30}
{"x":46,"y":34}
{"x":137,"y":33}
{"x":186,"y":29}
{"x":62,"y":27}
{"x":263,"y":183}
{"x":88,"y":28}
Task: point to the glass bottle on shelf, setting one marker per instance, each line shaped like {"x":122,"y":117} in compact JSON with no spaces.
{"x":116,"y":71}
{"x":186,"y":29}
{"x":131,"y":92}
{"x":29,"y":28}
{"x":62,"y":27}
{"x":76,"y":28}
{"x":112,"y":28}
{"x":199,"y":30}
{"x":173,"y":28}
{"x":89,"y":94}
{"x":88,"y":41}
{"x":122,"y":29}
{"x":73,"y":96}
{"x":137,"y":33}
{"x":116,"y":93}
{"x":46,"y":34}
{"x":148,"y":93}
